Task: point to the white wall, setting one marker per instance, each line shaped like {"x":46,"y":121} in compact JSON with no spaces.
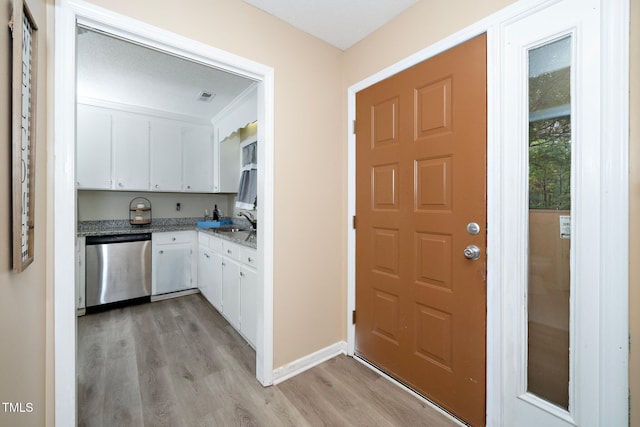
{"x":25,"y":315}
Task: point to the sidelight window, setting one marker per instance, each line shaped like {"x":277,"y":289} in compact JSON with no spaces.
{"x":548,"y":294}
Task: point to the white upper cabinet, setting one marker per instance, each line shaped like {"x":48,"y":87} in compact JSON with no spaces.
{"x":227,"y":170}
{"x":166,"y":155}
{"x":130,"y":151}
{"x":120,"y":150}
{"x":93,"y":148}
{"x":197,"y":159}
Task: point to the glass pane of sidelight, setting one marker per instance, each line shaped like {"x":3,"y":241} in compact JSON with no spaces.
{"x":549,"y":221}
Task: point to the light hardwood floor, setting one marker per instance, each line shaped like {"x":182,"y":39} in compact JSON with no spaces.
{"x":178,"y":363}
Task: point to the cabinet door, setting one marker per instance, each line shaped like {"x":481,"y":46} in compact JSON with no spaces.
{"x":130,"y":152}
{"x":205,"y":272}
{"x":227,"y":166}
{"x":166,"y":155}
{"x":217,"y":297}
{"x":172,"y":266}
{"x":197,"y":158}
{"x":93,"y":148}
{"x":231,"y":292}
{"x":249,"y":304}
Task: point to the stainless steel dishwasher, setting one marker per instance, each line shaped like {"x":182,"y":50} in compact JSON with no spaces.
{"x":118,"y":268}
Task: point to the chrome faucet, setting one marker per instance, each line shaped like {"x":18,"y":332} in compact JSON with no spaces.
{"x":249,"y":217}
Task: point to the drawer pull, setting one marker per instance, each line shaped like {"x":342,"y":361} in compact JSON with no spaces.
{"x":249,"y":259}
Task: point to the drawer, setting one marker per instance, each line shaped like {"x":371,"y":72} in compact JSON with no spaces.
{"x":173,"y":237}
{"x":203,"y":239}
{"x":248,"y":256}
{"x":231,"y":250}
{"x":215,"y":243}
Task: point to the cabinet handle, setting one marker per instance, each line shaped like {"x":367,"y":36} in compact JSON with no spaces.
{"x":241,"y":274}
{"x":207,"y":255}
{"x":229,"y":251}
{"x":223,"y":264}
{"x":250,"y":259}
{"x":157,"y":186}
{"x":173,"y":238}
{"x":161,"y":252}
{"x":120,"y":185}
{"x":188,"y":187}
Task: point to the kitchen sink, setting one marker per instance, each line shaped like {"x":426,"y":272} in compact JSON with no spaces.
{"x":231,"y":230}
{"x":246,"y":234}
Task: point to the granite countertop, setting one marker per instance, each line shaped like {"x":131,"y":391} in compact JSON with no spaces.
{"x":243,"y":238}
{"x":118,"y":226}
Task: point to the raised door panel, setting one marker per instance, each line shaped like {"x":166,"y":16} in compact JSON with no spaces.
{"x":227,"y":170}
{"x":216,"y":281}
{"x":93,"y":148}
{"x":172,"y":265}
{"x":421,"y":303}
{"x":205,"y":272}
{"x":130,"y":152}
{"x":249,"y":304}
{"x":231,"y":292}
{"x":165,"y":155}
{"x":197,"y":159}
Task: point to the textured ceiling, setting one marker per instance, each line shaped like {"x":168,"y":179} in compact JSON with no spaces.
{"x":114,"y":70}
{"x":341,"y":23}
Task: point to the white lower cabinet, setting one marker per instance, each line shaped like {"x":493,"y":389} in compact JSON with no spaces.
{"x":228,"y":280}
{"x":210,"y":276}
{"x":249,"y":304}
{"x":216,"y":281}
{"x":173,"y":262}
{"x":231,"y":292}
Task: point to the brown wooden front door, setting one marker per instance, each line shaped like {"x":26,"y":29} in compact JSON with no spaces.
{"x":420,"y":180}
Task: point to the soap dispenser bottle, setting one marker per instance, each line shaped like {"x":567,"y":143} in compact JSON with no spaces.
{"x":216,"y":214}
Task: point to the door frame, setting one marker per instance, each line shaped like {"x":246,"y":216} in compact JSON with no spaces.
{"x":62,"y":165}
{"x":613,"y":310}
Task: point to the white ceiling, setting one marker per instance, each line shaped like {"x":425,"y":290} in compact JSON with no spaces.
{"x":341,"y":23}
{"x":113,"y":70}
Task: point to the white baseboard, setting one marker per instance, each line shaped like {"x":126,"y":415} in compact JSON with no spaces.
{"x":177,"y":294}
{"x":307,"y":362}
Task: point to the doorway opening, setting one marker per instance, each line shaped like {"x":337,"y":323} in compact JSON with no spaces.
{"x":68,"y":15}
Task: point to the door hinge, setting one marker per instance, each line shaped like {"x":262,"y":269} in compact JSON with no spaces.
{"x":353,"y":317}
{"x":354,"y":127}
{"x":353,"y":222}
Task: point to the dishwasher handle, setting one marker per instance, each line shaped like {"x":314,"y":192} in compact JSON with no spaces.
{"x":118,"y":238}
